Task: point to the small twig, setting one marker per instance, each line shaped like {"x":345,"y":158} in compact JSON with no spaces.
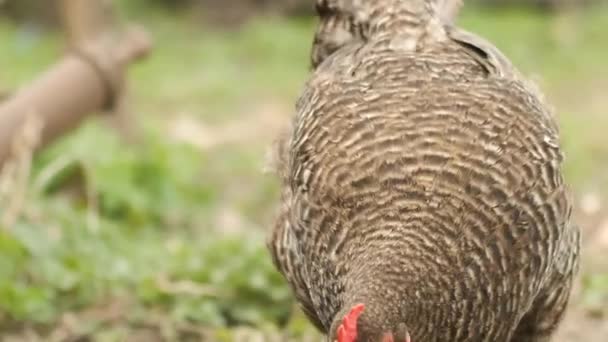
{"x":92,"y":199}
{"x":14,"y":176}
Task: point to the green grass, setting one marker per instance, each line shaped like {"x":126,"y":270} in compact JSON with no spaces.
{"x":175,"y":233}
{"x":149,"y":220}
{"x":25,"y":53}
{"x":223,"y":72}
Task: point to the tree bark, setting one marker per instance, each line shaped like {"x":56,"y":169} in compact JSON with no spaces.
{"x":83,"y":20}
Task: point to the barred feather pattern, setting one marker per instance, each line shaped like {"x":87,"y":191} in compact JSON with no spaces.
{"x":427,"y":185}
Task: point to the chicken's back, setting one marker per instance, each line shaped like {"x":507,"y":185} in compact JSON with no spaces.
{"x":428,"y":181}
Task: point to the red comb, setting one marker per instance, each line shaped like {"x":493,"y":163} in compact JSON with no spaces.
{"x":347,"y":331}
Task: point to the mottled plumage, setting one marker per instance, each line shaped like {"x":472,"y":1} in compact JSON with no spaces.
{"x":422,"y":178}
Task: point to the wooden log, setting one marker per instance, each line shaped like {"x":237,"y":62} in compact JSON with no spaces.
{"x":82,"y":20}
{"x":83,"y":82}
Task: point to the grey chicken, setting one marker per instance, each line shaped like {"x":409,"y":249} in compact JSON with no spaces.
{"x":422,"y":193}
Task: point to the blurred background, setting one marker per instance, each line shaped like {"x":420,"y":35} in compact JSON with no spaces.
{"x":148,"y":223}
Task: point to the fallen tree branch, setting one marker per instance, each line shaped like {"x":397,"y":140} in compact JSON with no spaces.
{"x":81,"y":83}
